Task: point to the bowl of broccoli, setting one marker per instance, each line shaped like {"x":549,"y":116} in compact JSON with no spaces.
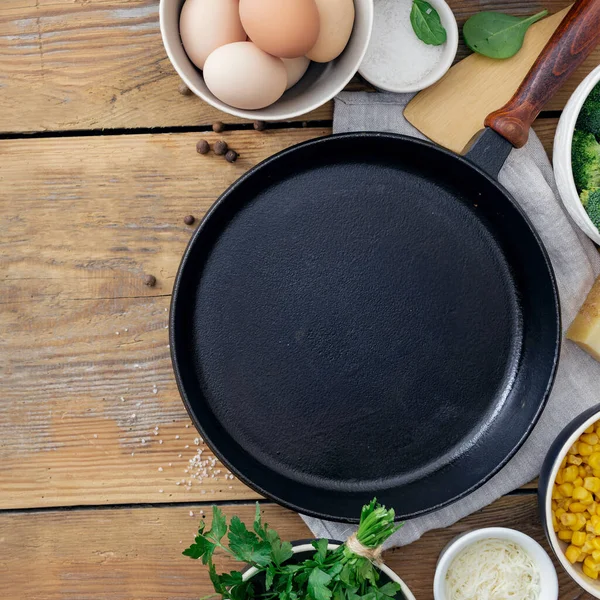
{"x":577,"y":156}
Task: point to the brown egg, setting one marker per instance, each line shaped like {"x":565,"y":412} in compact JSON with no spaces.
{"x":205,"y":25}
{"x":284,"y":28}
{"x":244,"y":76}
{"x":336,"y":19}
{"x":295,"y":67}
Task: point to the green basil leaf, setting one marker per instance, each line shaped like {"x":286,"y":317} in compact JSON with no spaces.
{"x":426,"y":23}
{"x":497,"y":35}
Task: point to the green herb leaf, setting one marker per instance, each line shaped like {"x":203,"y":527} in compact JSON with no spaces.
{"x":201,"y":548}
{"x":317,"y":585}
{"x":246,"y":546}
{"x":269,"y":576}
{"x":219,"y":526}
{"x":321,"y":547}
{"x":498,"y":35}
{"x":390,"y":589}
{"x":233,"y":578}
{"x":261,"y":531}
{"x":215,"y":579}
{"x":426,"y":23}
{"x":280,"y":551}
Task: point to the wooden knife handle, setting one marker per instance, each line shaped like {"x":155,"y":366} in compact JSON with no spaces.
{"x":576,"y":36}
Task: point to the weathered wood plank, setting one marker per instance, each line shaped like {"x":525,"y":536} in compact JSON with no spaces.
{"x":82,"y":220}
{"x":136,"y":553}
{"x":89,"y":64}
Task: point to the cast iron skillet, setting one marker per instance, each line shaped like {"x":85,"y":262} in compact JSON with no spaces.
{"x":370,"y":315}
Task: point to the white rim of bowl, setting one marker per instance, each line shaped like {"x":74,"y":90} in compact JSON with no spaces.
{"x":533,"y":548}
{"x":562,"y":154}
{"x":384,"y":568}
{"x":254,"y":114}
{"x":578,"y":577}
{"x":449,"y":22}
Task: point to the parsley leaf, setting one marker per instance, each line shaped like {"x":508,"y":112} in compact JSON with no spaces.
{"x":246,"y":546}
{"x":201,"y":548}
{"x":218,"y":528}
{"x":321,"y":548}
{"x":317,"y":585}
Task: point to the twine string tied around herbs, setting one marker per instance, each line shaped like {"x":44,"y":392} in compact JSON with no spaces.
{"x":372,"y":554}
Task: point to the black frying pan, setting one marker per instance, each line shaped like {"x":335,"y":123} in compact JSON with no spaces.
{"x":370,"y":315}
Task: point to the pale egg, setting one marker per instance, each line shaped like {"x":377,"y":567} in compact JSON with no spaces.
{"x":283,"y":28}
{"x":243,"y":76}
{"x":205,"y":25}
{"x":336,"y":22}
{"x":295,"y":67}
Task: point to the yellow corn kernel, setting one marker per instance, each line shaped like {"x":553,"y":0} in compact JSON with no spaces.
{"x":596,"y":447}
{"x":566,"y":536}
{"x":589,"y":572}
{"x":573,"y":459}
{"x":577,"y":538}
{"x":597,"y":429}
{"x":563,"y":463}
{"x":582,"y":472}
{"x":592,"y":484}
{"x":555,"y":523}
{"x":591,"y":508}
{"x":594,"y":460}
{"x":596,"y":543}
{"x":571,"y":473}
{"x":577,"y":507}
{"x":573,"y":449}
{"x":589,"y":438}
{"x":566,"y":490}
{"x":584,"y":449}
{"x":588,"y":470}
{"x":580,"y":523}
{"x":555,"y":505}
{"x":590,"y":429}
{"x":596,"y":556}
{"x":556,"y":495}
{"x":568,"y":519}
{"x":558,"y":512}
{"x":572,"y":553}
{"x":582,"y":557}
{"x":590,"y":563}
{"x":578,"y":482}
{"x":595,"y":523}
{"x":588,"y":548}
{"x":566,"y":503}
{"x":582,"y":495}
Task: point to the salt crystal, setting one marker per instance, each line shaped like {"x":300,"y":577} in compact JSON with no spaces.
{"x":160,"y":468}
{"x":179,"y":455}
{"x":95,"y":435}
{"x":187,"y":446}
{"x":155,"y":391}
{"x":126,"y":329}
{"x":160,"y":441}
{"x":116,"y":332}
{"x":160,"y":491}
{"x":132,"y":453}
{"x":187,"y":426}
{"x":122,"y":399}
{"x":143,"y":441}
{"x":396,"y":57}
{"x":176,"y":437}
{"x":178,"y":483}
{"x":191,"y":513}
{"x":170,"y":464}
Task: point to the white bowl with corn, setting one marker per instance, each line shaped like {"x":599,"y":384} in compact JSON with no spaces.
{"x":569,"y":496}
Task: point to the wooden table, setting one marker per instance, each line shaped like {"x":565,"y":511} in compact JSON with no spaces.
{"x":98,"y":167}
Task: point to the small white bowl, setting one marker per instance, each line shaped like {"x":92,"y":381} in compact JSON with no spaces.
{"x":320,"y":83}
{"x":307,"y":547}
{"x":548,"y":576}
{"x":373,"y":76}
{"x":563,"y":171}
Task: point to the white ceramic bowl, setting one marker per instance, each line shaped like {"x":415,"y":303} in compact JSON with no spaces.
{"x":564,"y":440}
{"x":548,"y":576}
{"x":371,"y":74}
{"x":299,"y":547}
{"x":320,"y":83}
{"x":562,"y":156}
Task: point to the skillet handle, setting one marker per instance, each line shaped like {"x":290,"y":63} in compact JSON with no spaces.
{"x":576,"y":36}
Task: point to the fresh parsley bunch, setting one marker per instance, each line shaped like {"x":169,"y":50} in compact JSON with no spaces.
{"x":338,"y":574}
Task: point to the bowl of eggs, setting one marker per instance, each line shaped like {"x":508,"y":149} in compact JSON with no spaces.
{"x":269,"y":60}
{"x":569,"y":499}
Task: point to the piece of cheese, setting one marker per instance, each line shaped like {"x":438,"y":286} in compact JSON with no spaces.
{"x":585,"y":329}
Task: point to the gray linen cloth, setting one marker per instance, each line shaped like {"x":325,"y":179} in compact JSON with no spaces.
{"x":527,"y":175}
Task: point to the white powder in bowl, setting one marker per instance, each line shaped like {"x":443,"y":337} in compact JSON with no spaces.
{"x":396,"y":57}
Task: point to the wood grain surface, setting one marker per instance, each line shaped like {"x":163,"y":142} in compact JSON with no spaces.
{"x":86,"y":375}
{"x":96,"y":64}
{"x":84,"y":555}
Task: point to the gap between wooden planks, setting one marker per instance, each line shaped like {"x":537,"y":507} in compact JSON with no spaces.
{"x":82,"y":220}
{"x":94,"y":64}
{"x":136,"y":553}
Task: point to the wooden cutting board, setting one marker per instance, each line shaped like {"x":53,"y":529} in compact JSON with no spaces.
{"x":453,"y":110}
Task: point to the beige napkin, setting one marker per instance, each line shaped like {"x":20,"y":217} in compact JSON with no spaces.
{"x":527,"y":175}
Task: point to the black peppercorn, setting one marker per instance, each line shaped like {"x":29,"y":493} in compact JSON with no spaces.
{"x":202,"y":147}
{"x":231,"y":156}
{"x":189,"y":219}
{"x":260,"y":125}
{"x":149,"y":280}
{"x":218,"y":127}
{"x":184,"y":90}
{"x":220,"y":147}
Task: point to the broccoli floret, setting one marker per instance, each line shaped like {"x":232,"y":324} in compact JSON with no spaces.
{"x":589,"y":117}
{"x":585,"y":158}
{"x":585,"y":195}
{"x":592,"y":206}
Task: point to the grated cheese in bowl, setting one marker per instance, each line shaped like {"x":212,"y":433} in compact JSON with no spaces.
{"x":493,"y":569}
